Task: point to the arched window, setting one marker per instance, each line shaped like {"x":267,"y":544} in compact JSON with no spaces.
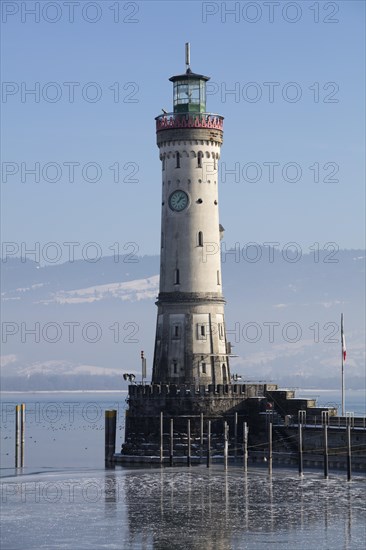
{"x":177,"y":155}
{"x":200,"y":238}
{"x":199,"y":159}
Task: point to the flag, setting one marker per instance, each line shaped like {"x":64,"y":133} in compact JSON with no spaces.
{"x":343,"y":340}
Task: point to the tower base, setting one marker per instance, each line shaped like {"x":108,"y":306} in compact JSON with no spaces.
{"x":158,"y":412}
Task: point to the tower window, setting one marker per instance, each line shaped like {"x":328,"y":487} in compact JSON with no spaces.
{"x":176,"y":331}
{"x":176,"y":277}
{"x":200,"y":238}
{"x":203,"y":365}
{"x":224,"y":376}
{"x":177,"y":159}
{"x":175,"y":367}
{"x":221,"y":331}
{"x":199,"y":160}
{"x":218,"y":277}
{"x":163,"y":163}
{"x":201,"y":331}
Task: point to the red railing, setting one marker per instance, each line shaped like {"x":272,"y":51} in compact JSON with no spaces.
{"x":189,"y":120}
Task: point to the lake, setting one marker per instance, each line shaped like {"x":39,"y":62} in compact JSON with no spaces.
{"x":65,"y":498}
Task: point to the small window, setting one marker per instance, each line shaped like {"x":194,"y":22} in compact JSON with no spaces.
{"x":221,"y":331}
{"x":163,"y":163}
{"x":200,"y":238}
{"x":177,"y":159}
{"x":176,"y":277}
{"x":203,"y":365}
{"x":176,"y":331}
{"x":162,"y":240}
{"x":199,"y":160}
{"x":175,"y":367}
{"x":202,"y":330}
{"x":218,"y":277}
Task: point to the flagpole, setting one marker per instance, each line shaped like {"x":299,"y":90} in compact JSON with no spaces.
{"x":342,"y":354}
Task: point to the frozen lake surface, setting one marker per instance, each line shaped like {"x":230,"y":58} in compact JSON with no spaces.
{"x":176,"y":508}
{"x":64,"y":498}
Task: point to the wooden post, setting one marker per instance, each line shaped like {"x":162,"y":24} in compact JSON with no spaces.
{"x":301,"y":463}
{"x":189,"y":442}
{"x":326,"y":462}
{"x":235,"y":434}
{"x":245,"y":446}
{"x":171,"y":442}
{"x":208,"y":443}
{"x":201,"y":433}
{"x":22,"y":434}
{"x":161,"y":437}
{"x":226,"y":444}
{"x":17,"y":435}
{"x":349,"y":452}
{"x":110,"y":424}
{"x":270,"y":447}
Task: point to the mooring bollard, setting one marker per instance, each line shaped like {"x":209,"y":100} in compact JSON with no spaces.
{"x":349,"y":452}
{"x":161,"y":437}
{"x":110,"y":424}
{"x":326,"y":461}
{"x":208,"y":443}
{"x":245,"y":446}
{"x":189,"y":442}
{"x":171,"y":442}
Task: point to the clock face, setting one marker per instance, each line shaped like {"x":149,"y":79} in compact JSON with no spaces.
{"x":178,"y":201}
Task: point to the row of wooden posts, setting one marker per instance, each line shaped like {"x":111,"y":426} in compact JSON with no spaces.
{"x":110,"y":436}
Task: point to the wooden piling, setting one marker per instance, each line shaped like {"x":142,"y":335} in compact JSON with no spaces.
{"x":161,"y":437}
{"x":349,"y":451}
{"x":226,"y":444}
{"x":189,"y":443}
{"x":17,"y":435}
{"x":270,"y":447}
{"x":171,"y":442}
{"x":235,"y":435}
{"x":110,"y":424}
{"x":22,"y":434}
{"x":326,"y":459}
{"x":208,"y":443}
{"x":301,"y":461}
{"x":245,"y":446}
{"x":201,"y":434}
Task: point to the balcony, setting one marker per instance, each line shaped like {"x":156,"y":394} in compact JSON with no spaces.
{"x":169,"y":121}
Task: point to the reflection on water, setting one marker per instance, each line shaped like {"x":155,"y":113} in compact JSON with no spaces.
{"x":181,"y":508}
{"x":211,"y":509}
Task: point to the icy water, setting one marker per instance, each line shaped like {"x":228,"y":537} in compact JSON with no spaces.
{"x":64,"y":498}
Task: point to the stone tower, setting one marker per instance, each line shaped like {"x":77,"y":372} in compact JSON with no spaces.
{"x":190,"y":343}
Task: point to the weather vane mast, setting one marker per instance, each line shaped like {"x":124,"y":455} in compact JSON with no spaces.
{"x":188,"y":55}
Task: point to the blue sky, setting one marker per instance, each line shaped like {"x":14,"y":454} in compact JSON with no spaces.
{"x":324,"y":129}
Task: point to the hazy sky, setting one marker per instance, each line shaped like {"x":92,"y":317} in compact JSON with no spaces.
{"x":296,"y":113}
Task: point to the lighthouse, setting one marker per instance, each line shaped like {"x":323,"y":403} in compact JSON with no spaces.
{"x":190,"y":342}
